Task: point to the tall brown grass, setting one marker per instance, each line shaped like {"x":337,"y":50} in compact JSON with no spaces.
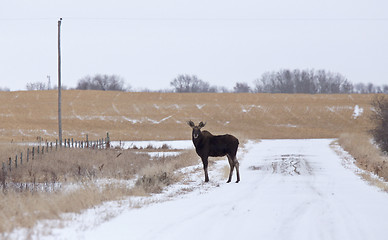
{"x":367,"y":155}
{"x":75,"y":165}
{"x":37,"y":190}
{"x":24,"y":209}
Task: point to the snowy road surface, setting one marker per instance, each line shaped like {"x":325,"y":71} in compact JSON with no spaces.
{"x":289,"y":189}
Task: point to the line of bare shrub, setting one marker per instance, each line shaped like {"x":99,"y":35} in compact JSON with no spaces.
{"x":367,"y":155}
{"x":24,"y":201}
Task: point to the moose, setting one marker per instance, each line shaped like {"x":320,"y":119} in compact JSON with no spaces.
{"x":209,"y":145}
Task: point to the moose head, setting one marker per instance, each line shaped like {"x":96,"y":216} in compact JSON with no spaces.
{"x":196,"y":129}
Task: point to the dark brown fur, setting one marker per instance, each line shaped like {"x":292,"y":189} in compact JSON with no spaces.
{"x":209,"y":145}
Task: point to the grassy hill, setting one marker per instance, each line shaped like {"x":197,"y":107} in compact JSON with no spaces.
{"x":27,"y":115}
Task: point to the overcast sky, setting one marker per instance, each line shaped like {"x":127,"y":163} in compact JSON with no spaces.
{"x":150,"y":42}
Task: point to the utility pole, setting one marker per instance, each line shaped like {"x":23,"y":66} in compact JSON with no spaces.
{"x":59,"y":85}
{"x":48,"y":82}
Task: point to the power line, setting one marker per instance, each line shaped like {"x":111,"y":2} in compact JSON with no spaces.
{"x":213,"y":19}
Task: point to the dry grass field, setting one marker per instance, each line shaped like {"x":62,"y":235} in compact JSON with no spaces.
{"x":71,"y":180}
{"x":367,"y":155}
{"x":26,"y":115}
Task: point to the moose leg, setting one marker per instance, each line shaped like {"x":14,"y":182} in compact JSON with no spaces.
{"x":231,"y":164}
{"x":237,"y":164}
{"x":205,"y":164}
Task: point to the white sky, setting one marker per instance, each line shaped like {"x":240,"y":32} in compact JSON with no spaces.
{"x":150,"y":42}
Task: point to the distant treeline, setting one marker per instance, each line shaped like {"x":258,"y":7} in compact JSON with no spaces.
{"x":283,"y":81}
{"x":311,"y":81}
{"x":308,"y":81}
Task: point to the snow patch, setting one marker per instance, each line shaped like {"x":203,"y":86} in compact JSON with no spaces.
{"x":248,"y":109}
{"x":287,"y":125}
{"x":160,"y":154}
{"x":200,"y":106}
{"x":176,"y":144}
{"x":357,"y":112}
{"x":157,"y":122}
{"x":133,"y":121}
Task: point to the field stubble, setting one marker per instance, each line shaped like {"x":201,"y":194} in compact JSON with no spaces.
{"x":162,"y":116}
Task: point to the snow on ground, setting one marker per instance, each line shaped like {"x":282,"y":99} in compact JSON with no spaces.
{"x":357,"y":112}
{"x":289,"y":189}
{"x":177,"y":144}
{"x":160,"y":154}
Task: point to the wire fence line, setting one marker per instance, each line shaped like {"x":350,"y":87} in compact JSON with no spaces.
{"x":31,"y":153}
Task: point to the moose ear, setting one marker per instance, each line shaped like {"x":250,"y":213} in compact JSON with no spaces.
{"x":201,"y":124}
{"x":190,"y":123}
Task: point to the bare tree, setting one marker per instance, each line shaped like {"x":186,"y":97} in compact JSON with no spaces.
{"x":360,"y":88}
{"x":264,"y":84}
{"x":380,"y":119}
{"x":102,"y":82}
{"x":36,"y":86}
{"x":285,"y":81}
{"x":191,"y":83}
{"x":385,"y":89}
{"x":241,"y":88}
{"x":347,"y":87}
{"x":305,"y":81}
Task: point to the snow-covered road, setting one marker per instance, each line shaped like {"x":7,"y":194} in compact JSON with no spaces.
{"x":289,"y":189}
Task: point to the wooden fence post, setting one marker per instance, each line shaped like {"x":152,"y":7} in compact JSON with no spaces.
{"x":28,"y":153}
{"x":3,"y":175}
{"x":33,"y":153}
{"x":107,"y":140}
{"x":21,"y":158}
